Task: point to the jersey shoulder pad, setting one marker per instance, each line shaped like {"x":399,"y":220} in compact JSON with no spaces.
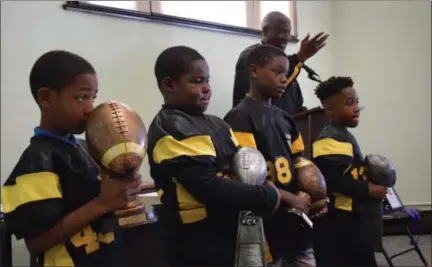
{"x":281,"y":114}
{"x":334,"y":132}
{"x":217,"y":121}
{"x":333,"y":141}
{"x":175,"y":123}
{"x":240,"y":118}
{"x":37,"y":157}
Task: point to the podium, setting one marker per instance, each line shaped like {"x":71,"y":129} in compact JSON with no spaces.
{"x":310,"y":123}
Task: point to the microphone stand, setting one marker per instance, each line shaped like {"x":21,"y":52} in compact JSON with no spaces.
{"x":312,"y":74}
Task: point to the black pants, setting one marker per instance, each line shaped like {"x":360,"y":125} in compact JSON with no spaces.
{"x":341,"y":239}
{"x":287,"y":235}
{"x":200,"y":245}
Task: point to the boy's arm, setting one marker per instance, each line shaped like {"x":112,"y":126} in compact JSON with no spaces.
{"x":34,"y":209}
{"x":334,"y":159}
{"x":67,"y":227}
{"x":192,"y":163}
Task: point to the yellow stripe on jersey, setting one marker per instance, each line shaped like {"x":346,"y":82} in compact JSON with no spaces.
{"x":297,"y":146}
{"x":245,"y":139}
{"x":191,"y":210}
{"x":30,"y":188}
{"x":295,"y":72}
{"x":160,"y":193}
{"x":234,"y":138}
{"x":343,"y":202}
{"x":169,"y":148}
{"x":58,"y":256}
{"x":329,"y":146}
{"x":268,"y":255}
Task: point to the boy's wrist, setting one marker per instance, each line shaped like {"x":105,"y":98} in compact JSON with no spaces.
{"x":98,"y":206}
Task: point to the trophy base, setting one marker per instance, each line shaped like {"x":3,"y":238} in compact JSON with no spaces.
{"x":133,"y":214}
{"x":250,"y":248}
{"x":302,"y":215}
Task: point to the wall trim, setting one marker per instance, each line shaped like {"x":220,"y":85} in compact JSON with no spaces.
{"x":420,"y":206}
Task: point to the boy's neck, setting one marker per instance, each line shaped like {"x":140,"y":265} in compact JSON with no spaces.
{"x":255,"y":94}
{"x":48,"y":126}
{"x":189,"y":110}
{"x":337,"y":124}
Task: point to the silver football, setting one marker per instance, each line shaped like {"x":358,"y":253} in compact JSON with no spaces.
{"x":249,"y":166}
{"x":379,"y":170}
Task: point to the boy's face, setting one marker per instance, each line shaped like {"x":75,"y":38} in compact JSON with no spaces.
{"x":271,"y":79}
{"x":191,"y":90}
{"x":69,"y":109}
{"x":343,"y":108}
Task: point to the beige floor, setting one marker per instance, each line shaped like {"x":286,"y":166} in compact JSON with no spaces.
{"x":395,"y":244}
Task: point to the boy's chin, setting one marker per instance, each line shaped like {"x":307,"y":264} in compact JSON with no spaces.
{"x":276,"y":95}
{"x":77,"y":131}
{"x":353,"y":124}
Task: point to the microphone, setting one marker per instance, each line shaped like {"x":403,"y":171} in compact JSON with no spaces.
{"x":312,"y":74}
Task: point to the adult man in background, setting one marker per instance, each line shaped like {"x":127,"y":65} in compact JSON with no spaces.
{"x":276,"y":31}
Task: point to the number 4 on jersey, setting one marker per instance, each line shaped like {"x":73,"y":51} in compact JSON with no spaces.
{"x":91,"y":239}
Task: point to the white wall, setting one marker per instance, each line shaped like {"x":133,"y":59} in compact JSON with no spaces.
{"x":123,"y":52}
{"x":385,"y":46}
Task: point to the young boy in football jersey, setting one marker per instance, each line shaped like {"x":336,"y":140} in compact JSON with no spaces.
{"x":257,"y":123}
{"x":53,"y":197}
{"x":190,"y":154}
{"x":341,"y":235}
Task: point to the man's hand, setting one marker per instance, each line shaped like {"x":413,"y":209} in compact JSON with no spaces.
{"x":309,"y":47}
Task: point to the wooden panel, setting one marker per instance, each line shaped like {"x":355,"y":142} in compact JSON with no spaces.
{"x":310,"y":124}
{"x":144,"y":244}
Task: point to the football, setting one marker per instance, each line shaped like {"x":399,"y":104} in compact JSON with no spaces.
{"x":116,"y":137}
{"x":311,"y":181}
{"x":249,"y":166}
{"x":379,"y":170}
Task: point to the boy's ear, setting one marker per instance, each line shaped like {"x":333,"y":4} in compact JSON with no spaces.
{"x":328,"y":107}
{"x":253,"y":71}
{"x":44,"y":97}
{"x":167,"y":84}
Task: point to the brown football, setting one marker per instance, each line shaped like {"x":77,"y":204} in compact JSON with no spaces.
{"x":310,"y":180}
{"x":116,"y":136}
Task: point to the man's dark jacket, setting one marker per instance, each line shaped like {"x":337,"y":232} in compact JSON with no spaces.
{"x":291,"y":101}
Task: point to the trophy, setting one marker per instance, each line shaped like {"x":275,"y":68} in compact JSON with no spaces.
{"x":311,"y":185}
{"x":117,"y":138}
{"x":249,"y":166}
{"x":378,"y":170}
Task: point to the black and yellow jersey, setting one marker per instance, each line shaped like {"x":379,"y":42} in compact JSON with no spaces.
{"x":190,"y":161}
{"x":53,"y":177}
{"x":337,"y":154}
{"x":273,"y":133}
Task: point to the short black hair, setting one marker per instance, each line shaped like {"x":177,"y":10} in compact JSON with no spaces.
{"x":56,"y":69}
{"x":261,"y":55}
{"x":174,"y":62}
{"x":332,"y":86}
{"x":274,"y":18}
